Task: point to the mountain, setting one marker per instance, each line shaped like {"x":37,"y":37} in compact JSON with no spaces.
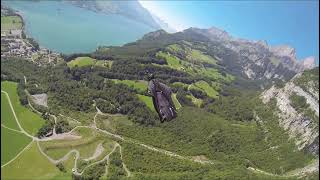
{"x":298,"y":108}
{"x":259,"y":60}
{"x":130,"y":9}
{"x":254,"y":60}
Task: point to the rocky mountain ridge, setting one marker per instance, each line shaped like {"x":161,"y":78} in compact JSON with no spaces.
{"x":302,"y":127}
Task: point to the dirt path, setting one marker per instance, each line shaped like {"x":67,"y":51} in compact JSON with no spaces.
{"x":25,"y":148}
{"x":64,"y":158}
{"x":105,"y":158}
{"x":70,"y":118}
{"x":123,"y":164}
{"x":301,"y":172}
{"x":99,"y":150}
{"x":11,"y":129}
{"x":16,"y":118}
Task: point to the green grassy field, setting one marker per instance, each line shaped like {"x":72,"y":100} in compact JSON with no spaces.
{"x":204,"y":86}
{"x":7,"y":117}
{"x":140,"y":86}
{"x":195,"y":100}
{"x":11,"y":22}
{"x":147,"y":100}
{"x":175,"y":48}
{"x":180,"y":84}
{"x":172,"y":61}
{"x":30,"y":121}
{"x":31,"y":164}
{"x":175,"y":101}
{"x":11,"y":144}
{"x":111,"y":123}
{"x":81,"y":61}
{"x":197,"y":55}
{"x":104,"y":63}
{"x":190,"y":66}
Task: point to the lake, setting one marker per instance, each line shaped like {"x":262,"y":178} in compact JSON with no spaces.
{"x":65,"y":28}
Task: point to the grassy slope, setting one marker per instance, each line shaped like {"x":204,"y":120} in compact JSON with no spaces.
{"x":175,"y":101}
{"x":11,"y":144}
{"x":195,"y":100}
{"x":147,"y":100}
{"x":31,"y":164}
{"x":104,"y":63}
{"x":205,"y":87}
{"x":197,"y":55}
{"x":30,"y":121}
{"x":108,"y":122}
{"x":11,"y":22}
{"x":140,"y":86}
{"x":7,"y":117}
{"x":81,"y":61}
{"x":172,"y":61}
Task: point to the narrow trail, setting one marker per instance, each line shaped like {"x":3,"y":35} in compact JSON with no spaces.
{"x":99,"y":150}
{"x":97,"y":162}
{"x":16,"y":118}
{"x":64,"y":158}
{"x":298,"y":172}
{"x":25,"y":148}
{"x":11,"y":129}
{"x":123,"y":164}
{"x":312,"y":167}
{"x":70,"y":118}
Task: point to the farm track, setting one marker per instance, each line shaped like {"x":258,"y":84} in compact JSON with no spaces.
{"x":299,"y":173}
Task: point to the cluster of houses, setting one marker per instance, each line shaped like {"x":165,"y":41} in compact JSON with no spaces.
{"x":14,"y":45}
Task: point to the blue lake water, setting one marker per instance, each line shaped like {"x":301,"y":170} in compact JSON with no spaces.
{"x":65,"y":28}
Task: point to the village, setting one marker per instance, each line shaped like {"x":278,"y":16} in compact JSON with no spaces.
{"x":14,"y":42}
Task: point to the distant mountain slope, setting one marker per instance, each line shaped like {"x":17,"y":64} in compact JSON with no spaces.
{"x":131,"y":9}
{"x":253,"y":60}
{"x":259,"y":60}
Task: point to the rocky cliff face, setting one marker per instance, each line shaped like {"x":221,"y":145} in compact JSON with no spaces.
{"x":301,"y":127}
{"x":257,"y":59}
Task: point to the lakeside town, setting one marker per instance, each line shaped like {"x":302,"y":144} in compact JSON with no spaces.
{"x":14,"y":42}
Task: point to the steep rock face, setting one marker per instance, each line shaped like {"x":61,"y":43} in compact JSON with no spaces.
{"x":303,"y":129}
{"x":257,"y":59}
{"x":284,"y":51}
